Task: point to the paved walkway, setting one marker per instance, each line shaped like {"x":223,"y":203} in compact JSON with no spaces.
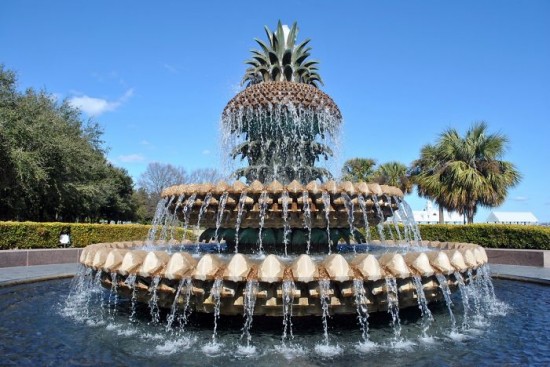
{"x":26,"y":274}
{"x":517,"y":272}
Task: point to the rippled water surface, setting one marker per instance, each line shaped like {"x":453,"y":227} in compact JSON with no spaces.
{"x":38,"y":327}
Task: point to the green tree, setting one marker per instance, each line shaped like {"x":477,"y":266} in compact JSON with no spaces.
{"x":359,"y":169}
{"x":461,"y":173}
{"x":427,"y":183}
{"x":53,"y":164}
{"x":393,"y":174}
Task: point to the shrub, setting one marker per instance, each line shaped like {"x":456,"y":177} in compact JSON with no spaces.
{"x":25,"y":235}
{"x":490,"y":235}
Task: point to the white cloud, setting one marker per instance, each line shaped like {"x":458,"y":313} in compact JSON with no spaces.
{"x":131,"y":158}
{"x":520,"y":198}
{"x":206,"y":152}
{"x":172,"y":69}
{"x":96,"y":106}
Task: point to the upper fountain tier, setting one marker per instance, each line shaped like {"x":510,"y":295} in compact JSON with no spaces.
{"x":269,"y":94}
{"x":281,"y":128}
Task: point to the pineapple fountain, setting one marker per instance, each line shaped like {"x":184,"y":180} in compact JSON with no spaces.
{"x":290,"y":241}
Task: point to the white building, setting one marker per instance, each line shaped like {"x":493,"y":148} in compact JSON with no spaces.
{"x":430,"y":215}
{"x":512,"y":218}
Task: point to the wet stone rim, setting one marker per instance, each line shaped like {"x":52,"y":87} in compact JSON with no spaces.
{"x":451,"y":261}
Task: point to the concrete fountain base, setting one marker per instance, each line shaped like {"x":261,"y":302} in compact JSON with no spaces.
{"x":228,"y":282}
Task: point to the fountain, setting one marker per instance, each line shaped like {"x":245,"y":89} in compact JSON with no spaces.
{"x":285,"y":239}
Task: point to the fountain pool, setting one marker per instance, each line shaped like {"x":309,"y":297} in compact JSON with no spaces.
{"x":38,"y":327}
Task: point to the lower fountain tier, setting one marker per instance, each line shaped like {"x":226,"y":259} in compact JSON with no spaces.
{"x":160,"y":273}
{"x":305,"y":297}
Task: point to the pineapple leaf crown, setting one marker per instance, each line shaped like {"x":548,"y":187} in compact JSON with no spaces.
{"x":281,"y":59}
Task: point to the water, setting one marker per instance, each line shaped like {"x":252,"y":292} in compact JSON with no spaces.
{"x":409,"y":223}
{"x":251,"y":289}
{"x":380,"y":216}
{"x":160,"y":212}
{"x":240,"y":209}
{"x":394,"y":217}
{"x":288,"y":288}
{"x":324,"y":348}
{"x":362,"y":308}
{"x":427,"y":317}
{"x":170,"y":219}
{"x":37,"y":329}
{"x":285,"y":199}
{"x":131,"y":281}
{"x":393,"y":308}
{"x":277,"y":141}
{"x":447,"y":296}
{"x":186,"y":212}
{"x":153,"y":301}
{"x":219,"y":215}
{"x":202,"y":210}
{"x":465,"y":300}
{"x":263,"y":208}
{"x":363,"y":206}
{"x":307,"y":218}
{"x":349,"y":208}
{"x":325,"y":196}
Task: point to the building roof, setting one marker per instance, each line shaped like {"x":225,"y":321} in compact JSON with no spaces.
{"x":512,"y":217}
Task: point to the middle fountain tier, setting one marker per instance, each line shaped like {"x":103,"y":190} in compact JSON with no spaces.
{"x":284,"y":219}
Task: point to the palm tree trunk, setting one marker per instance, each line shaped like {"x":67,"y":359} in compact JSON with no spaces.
{"x":441,"y":217}
{"x":469,"y":212}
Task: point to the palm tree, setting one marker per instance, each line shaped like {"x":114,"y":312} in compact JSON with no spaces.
{"x":425,"y":174}
{"x":394,"y":174}
{"x":461,"y":173}
{"x":358,"y":169}
{"x":281,"y":59}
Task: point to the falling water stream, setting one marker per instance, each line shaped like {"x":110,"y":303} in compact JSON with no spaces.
{"x":251,"y":289}
{"x":285,"y":201}
{"x":307,"y":218}
{"x":240,"y":209}
{"x":326,"y":204}
{"x":393,"y":307}
{"x":263,"y":208}
{"x":219,"y":217}
{"x":362,"y":309}
{"x":447,"y":295}
{"x":288,"y":288}
{"x":427,"y":317}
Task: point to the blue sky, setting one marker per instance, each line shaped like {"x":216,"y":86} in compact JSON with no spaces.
{"x":156,"y":75}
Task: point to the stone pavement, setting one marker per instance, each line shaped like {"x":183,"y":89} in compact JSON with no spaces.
{"x":517,"y":272}
{"x":26,"y":274}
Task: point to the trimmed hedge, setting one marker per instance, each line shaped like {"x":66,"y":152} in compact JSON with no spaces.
{"x":486,"y":235}
{"x":490,"y":235}
{"x":26,"y":235}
